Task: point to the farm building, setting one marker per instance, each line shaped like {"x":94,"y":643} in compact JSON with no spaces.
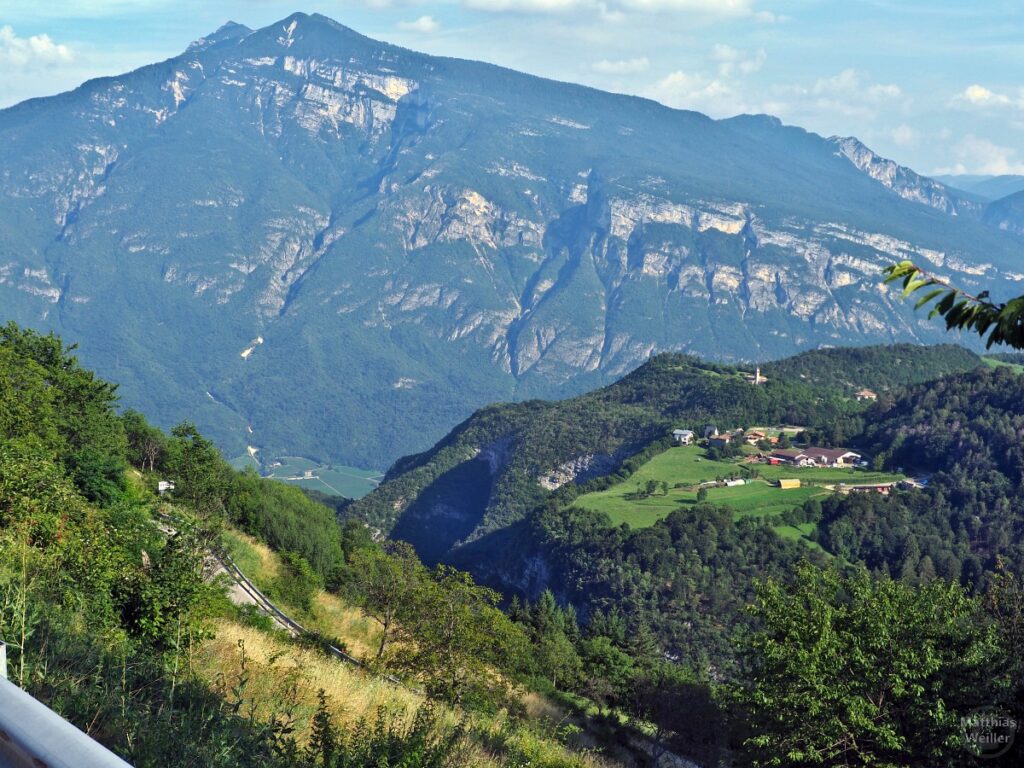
{"x":883,"y":488}
{"x":792,"y":456}
{"x":832,"y":457}
{"x":866,"y":394}
{"x":754,"y":436}
{"x":710,"y":431}
{"x":720,"y":441}
{"x":814,"y":457}
{"x":788,"y":483}
{"x":683,"y":436}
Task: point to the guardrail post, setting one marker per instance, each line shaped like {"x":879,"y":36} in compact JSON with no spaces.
{"x":3,"y":659}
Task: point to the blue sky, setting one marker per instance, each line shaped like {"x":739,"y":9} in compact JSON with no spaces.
{"x":936,"y":85}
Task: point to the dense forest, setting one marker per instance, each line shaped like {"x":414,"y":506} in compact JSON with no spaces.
{"x":965,"y":432}
{"x":881,"y":369}
{"x":686,"y":581}
{"x":702,"y":634}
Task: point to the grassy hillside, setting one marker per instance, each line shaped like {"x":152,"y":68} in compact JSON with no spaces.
{"x":117,"y":624}
{"x":276,"y":667}
{"x":1014,"y":362}
{"x":105,"y":581}
{"x":327,"y":612}
{"x":680,"y":470}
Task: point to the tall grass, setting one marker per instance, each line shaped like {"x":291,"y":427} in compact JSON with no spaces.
{"x":282,"y":679}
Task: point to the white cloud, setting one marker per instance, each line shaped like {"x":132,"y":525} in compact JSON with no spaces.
{"x":613,"y":9}
{"x":693,"y":91}
{"x":845,"y":94}
{"x":981,"y":97}
{"x":974,"y":154}
{"x":882,"y":91}
{"x":622,"y":66}
{"x":34,"y":51}
{"x":720,"y":93}
{"x":979,"y":94}
{"x":848,"y":83}
{"x":734,"y":60}
{"x":904,"y":136}
{"x":424,"y":25}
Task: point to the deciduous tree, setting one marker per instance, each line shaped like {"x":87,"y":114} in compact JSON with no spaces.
{"x":857,"y":671}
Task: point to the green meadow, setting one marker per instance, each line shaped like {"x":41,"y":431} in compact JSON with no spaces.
{"x":992,"y":362}
{"x":333,"y":479}
{"x":827,"y":475}
{"x":803,"y":532}
{"x":684,"y":468}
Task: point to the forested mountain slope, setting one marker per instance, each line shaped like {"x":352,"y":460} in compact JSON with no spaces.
{"x":965,"y":431}
{"x":478,"y":499}
{"x":706,"y":634}
{"x":504,"y":461}
{"x":404,"y":238}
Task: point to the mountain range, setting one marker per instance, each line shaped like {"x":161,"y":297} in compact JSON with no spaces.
{"x":314,"y":243}
{"x":988,"y":187}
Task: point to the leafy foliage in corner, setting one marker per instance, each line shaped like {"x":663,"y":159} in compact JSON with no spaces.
{"x":1002,"y":321}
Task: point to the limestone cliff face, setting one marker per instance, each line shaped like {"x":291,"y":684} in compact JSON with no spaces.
{"x":448,"y":233}
{"x":903,"y":181}
{"x":578,"y":470}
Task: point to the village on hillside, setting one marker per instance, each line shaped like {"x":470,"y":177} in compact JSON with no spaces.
{"x":761,"y":472}
{"x":774,"y":447}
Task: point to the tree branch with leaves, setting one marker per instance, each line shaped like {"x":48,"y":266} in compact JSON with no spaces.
{"x":1003,"y":322}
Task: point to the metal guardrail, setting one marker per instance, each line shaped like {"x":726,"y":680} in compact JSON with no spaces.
{"x":266,"y":605}
{"x":34,"y":736}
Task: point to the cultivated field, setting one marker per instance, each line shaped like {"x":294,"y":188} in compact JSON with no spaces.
{"x":684,"y":468}
{"x":334,"y":479}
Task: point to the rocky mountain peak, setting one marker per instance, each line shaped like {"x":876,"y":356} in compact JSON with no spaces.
{"x":228,"y":31}
{"x":903,"y":181}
